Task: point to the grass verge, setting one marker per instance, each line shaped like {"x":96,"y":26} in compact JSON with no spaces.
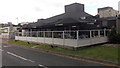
{"x":98,"y":52}
{"x":22,"y":43}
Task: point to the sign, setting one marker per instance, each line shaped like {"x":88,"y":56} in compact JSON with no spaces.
{"x":58,"y":24}
{"x":4,"y":30}
{"x":90,"y":23}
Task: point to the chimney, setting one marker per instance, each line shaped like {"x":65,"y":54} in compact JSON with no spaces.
{"x":73,"y":8}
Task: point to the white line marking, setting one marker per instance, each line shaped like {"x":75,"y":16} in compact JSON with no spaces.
{"x":42,"y":66}
{"x":20,"y":57}
{"x":31,"y":61}
{"x":6,"y":46}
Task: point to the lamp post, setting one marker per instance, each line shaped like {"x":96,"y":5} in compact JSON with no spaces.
{"x":118,"y":24}
{"x":17,"y":20}
{"x":118,"y":18}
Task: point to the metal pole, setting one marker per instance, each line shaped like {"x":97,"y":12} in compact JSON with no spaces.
{"x":118,"y":24}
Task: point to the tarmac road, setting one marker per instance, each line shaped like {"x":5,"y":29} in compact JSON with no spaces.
{"x":15,"y":56}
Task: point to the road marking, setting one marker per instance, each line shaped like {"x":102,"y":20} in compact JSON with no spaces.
{"x":6,"y":46}
{"x":20,"y":57}
{"x":42,"y":66}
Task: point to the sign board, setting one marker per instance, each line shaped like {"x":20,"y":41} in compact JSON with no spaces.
{"x":4,"y":30}
{"x":58,"y":24}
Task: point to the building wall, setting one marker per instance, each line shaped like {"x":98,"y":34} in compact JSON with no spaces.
{"x":107,"y":12}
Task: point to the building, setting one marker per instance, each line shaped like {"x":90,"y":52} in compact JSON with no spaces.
{"x":107,"y":23}
{"x":74,"y":28}
{"x":107,"y":12}
{"x":7,"y":31}
{"x":107,"y":17}
{"x":74,"y":18}
{"x":23,"y":23}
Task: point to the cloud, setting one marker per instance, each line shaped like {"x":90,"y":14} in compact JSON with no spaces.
{"x":31,"y":10}
{"x":37,"y":9}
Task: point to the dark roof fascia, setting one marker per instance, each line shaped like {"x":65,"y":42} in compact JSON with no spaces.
{"x":104,"y":8}
{"x":108,"y":18}
{"x":55,"y":16}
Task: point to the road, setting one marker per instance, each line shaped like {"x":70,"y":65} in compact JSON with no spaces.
{"x":16,"y":56}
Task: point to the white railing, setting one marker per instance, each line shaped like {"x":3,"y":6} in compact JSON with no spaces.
{"x":69,"y":38}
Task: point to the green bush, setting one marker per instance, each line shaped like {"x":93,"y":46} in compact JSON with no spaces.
{"x":114,"y":37}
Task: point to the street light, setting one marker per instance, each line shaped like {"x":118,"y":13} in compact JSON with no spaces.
{"x":17,"y":20}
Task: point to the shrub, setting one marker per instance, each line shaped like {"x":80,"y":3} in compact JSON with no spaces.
{"x":114,"y":37}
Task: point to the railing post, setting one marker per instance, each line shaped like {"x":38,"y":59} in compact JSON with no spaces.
{"x":104,"y":32}
{"x":77,"y":37}
{"x":52,"y":37}
{"x":37,"y":33}
{"x":63,"y":37}
{"x":30,"y":34}
{"x":44,"y":36}
{"x":18,"y":35}
{"x":37,"y":36}
{"x":90,"y":34}
{"x":98,"y":33}
{"x":26,"y":36}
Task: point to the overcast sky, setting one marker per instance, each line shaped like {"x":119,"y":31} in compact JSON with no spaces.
{"x":31,"y":10}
